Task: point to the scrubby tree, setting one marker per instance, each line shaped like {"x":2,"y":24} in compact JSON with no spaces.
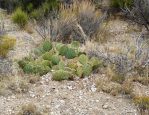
{"x":139,"y":12}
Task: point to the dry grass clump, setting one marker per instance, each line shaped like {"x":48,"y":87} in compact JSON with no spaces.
{"x":29,"y":109}
{"x":143,"y":104}
{"x":142,"y":80}
{"x":6,"y":44}
{"x":107,"y":86}
{"x":127,"y":87}
{"x":9,"y":85}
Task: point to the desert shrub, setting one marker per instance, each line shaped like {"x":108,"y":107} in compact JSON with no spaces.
{"x":108,"y":86}
{"x":47,"y":46}
{"x":80,"y":22}
{"x":6,"y":43}
{"x":88,"y":19}
{"x":20,"y":18}
{"x":142,"y":102}
{"x":140,"y":12}
{"x":60,"y":75}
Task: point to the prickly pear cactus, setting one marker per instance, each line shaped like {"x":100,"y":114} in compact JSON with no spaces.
{"x":70,"y":53}
{"x":83,"y":59}
{"x":95,"y":62}
{"x":87,"y":69}
{"x":60,"y":75}
{"x":55,"y":59}
{"x":47,"y":46}
{"x":63,"y":50}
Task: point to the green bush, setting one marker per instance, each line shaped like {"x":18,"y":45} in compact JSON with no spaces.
{"x":60,"y":75}
{"x":47,"y":46}
{"x":83,"y":59}
{"x":20,"y":18}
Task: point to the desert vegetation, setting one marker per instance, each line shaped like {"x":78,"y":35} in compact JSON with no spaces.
{"x":69,"y":41}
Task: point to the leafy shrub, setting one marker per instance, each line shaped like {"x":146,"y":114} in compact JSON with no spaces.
{"x":20,"y":18}
{"x":47,"y":46}
{"x":83,"y":59}
{"x":60,"y":75}
{"x":6,"y":43}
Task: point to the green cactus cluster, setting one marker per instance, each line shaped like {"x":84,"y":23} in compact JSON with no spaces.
{"x":65,"y":61}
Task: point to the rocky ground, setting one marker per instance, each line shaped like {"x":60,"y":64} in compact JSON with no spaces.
{"x":78,"y":97}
